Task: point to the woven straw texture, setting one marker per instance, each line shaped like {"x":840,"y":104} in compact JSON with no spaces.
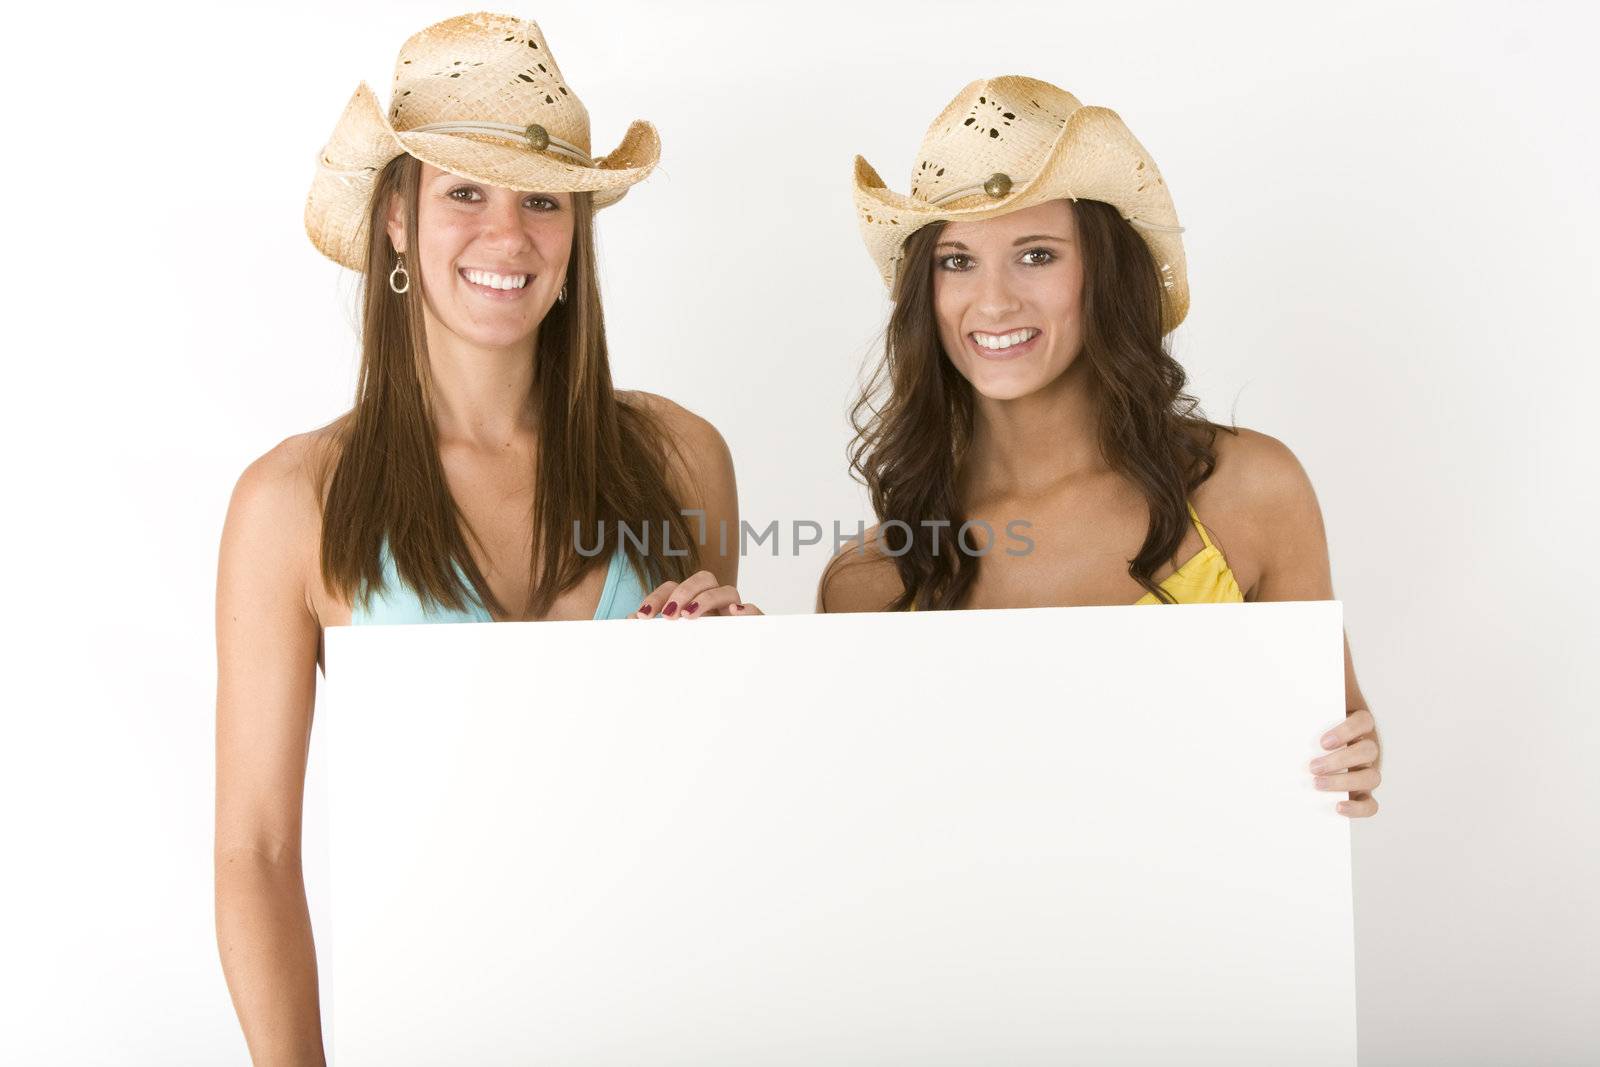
{"x":472,"y":68}
{"x":1050,"y":147}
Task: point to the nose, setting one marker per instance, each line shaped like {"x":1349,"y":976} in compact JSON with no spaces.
{"x":996,"y":299}
{"x":504,"y":226}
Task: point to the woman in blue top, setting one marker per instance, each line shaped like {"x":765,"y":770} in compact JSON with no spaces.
{"x":485,"y":471}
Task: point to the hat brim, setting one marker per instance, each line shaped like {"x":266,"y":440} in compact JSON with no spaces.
{"x":363,"y":143}
{"x":1094,"y":157}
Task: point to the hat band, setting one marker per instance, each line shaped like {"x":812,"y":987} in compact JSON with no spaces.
{"x":981,"y":187}
{"x":511,"y":132}
{"x":966,"y":190}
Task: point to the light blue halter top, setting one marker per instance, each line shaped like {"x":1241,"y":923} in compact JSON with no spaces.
{"x":397,"y":602}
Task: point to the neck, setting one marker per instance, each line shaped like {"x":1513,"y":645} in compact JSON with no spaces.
{"x":483,"y":397}
{"x":1034,"y":443}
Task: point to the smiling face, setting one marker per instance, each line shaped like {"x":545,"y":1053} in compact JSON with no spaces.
{"x":1008,"y":296}
{"x":492,"y":260}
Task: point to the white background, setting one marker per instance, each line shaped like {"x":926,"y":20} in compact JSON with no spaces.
{"x":1391,"y":223}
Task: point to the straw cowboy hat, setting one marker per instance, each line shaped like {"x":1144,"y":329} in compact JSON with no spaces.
{"x":479,"y":96}
{"x":1008,"y":143}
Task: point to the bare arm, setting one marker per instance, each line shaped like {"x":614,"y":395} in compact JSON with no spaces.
{"x":700,"y":475}
{"x":705,"y":478}
{"x":859,"y":578}
{"x":700,"y":468}
{"x":1293,"y":550}
{"x":267,"y":639}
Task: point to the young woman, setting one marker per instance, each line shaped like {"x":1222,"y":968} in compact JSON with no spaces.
{"x":1026,"y":441}
{"x":485,"y":472}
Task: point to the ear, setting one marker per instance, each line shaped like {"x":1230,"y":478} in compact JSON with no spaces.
{"x":395,"y":222}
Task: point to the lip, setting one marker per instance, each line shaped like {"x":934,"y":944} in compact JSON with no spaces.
{"x":1001,"y":355}
{"x":488,"y":293}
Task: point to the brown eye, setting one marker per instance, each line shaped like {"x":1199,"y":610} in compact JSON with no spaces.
{"x":955,"y":261}
{"x":1045,"y":254}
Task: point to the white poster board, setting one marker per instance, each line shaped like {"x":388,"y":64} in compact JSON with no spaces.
{"x":1080,"y":835}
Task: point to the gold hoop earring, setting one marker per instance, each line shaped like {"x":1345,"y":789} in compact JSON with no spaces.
{"x":400,"y":269}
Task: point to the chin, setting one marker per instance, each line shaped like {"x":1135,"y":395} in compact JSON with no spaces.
{"x":1005,"y":390}
{"x":493,"y":337}
{"x":1013,"y":381}
{"x":993,"y":384}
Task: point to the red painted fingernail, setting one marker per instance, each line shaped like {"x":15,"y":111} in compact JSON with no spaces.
{"x":690,"y":609}
{"x":645,"y":608}
{"x":671,"y":608}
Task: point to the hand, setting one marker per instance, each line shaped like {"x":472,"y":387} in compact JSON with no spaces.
{"x":697,"y":595}
{"x":1352,"y":766}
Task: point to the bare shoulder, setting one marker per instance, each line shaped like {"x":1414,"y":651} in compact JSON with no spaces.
{"x":1263,"y":512}
{"x":285,"y":483}
{"x":1258,"y":479}
{"x":860,"y":577}
{"x":274,"y":518}
{"x":684,"y":425}
{"x":699,"y":452}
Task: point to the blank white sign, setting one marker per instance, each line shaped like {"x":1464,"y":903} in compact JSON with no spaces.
{"x":1064,"y":835}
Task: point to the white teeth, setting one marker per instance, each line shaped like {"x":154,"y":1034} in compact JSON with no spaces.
{"x":1004,"y":340}
{"x":496,"y":281}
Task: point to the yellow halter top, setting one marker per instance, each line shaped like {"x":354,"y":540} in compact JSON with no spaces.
{"x":1204,"y":578}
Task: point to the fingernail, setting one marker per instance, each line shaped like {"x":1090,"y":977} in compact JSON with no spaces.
{"x":644,"y":608}
{"x":1317,"y":766}
{"x":690,"y":609}
{"x":671,"y":608}
{"x":1322,"y":783}
{"x":1330,"y":740}
{"x":1343,"y":807}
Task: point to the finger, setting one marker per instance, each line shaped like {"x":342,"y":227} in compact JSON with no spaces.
{"x":713,"y":601}
{"x":651,"y":608}
{"x":1359,"y":806}
{"x":688,"y":592}
{"x":1357,"y":724}
{"x":741,"y":610}
{"x":1360,"y":754}
{"x":1352,"y":781}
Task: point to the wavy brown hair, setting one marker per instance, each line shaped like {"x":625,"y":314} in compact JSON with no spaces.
{"x":599,"y":459}
{"x":914,"y":418}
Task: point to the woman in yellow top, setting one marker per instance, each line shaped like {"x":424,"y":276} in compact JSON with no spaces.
{"x":1026,"y":440}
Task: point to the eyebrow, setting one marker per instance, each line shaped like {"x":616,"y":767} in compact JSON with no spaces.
{"x":1019,"y":241}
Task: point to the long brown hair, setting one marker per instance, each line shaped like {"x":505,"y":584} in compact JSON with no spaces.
{"x":599,"y":462}
{"x":914,"y":418}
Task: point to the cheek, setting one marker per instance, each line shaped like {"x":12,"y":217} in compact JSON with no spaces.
{"x":1059,"y":299}
{"x":947,"y":308}
{"x":442,"y":238}
{"x":553,"y":238}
